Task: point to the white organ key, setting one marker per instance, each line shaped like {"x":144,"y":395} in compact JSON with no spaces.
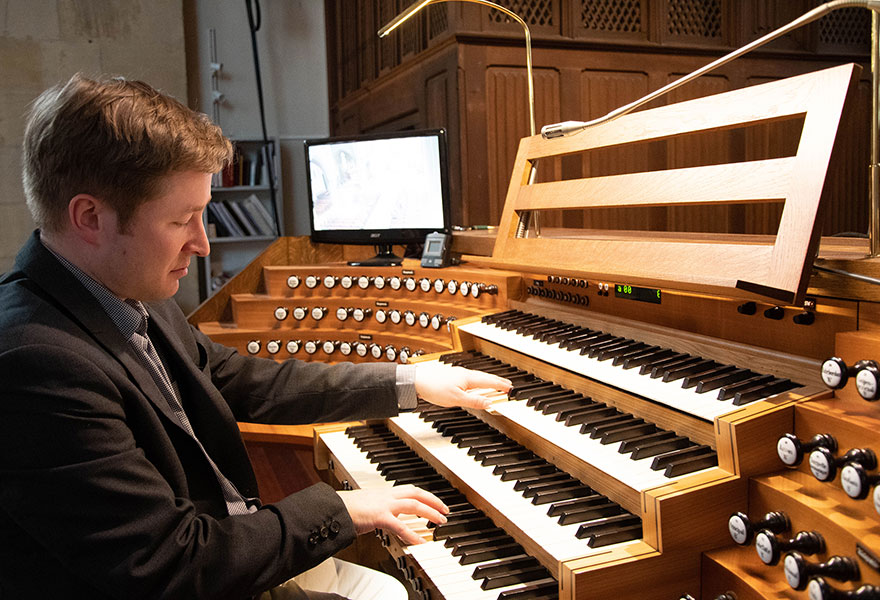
{"x":635,"y":474}
{"x":452,"y":579}
{"x":532,"y":520}
{"x":705,"y":406}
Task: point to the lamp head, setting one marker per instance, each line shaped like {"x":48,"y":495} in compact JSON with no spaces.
{"x":403,"y":17}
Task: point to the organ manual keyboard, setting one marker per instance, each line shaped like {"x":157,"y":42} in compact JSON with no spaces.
{"x":638,"y":413}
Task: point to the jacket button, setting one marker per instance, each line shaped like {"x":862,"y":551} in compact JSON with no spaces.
{"x":334,"y":526}
{"x":325,"y":532}
{"x":313,"y":539}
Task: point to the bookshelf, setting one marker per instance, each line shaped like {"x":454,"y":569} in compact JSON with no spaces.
{"x":242,"y":217}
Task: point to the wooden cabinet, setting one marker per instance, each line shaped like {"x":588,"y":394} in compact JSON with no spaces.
{"x":461,"y":66}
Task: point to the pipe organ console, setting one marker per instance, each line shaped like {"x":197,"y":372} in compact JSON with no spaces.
{"x":678,"y":434}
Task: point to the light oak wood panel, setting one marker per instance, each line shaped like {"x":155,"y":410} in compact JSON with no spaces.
{"x":778,"y":271}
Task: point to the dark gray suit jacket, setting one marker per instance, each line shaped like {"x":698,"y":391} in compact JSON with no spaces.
{"x":102,"y":493}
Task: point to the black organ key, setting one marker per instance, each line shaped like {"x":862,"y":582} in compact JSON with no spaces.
{"x":474,"y":438}
{"x":497,"y":443}
{"x":582,"y":416}
{"x":615,"y":535}
{"x":450,"y":357}
{"x":572,"y":342}
{"x":709,"y":384}
{"x":498,"y":550}
{"x":630,"y":445}
{"x":553,"y":332}
{"x":494,"y":318}
{"x":530,"y":490}
{"x":532,"y":327}
{"x":523,"y":483}
{"x":661,"y":371}
{"x":584,"y":346}
{"x":516,"y":390}
{"x":592,"y":350}
{"x":625,"y":433}
{"x":508,"y":572}
{"x":517,"y":471}
{"x":478,"y":364}
{"x":519,"y":322}
{"x":553,"y":496}
{"x":698,"y":367}
{"x":463,"y":547}
{"x":493,"y":532}
{"x":590,"y":513}
{"x":558,"y":508}
{"x":508,"y":458}
{"x":544,"y":589}
{"x":539,"y":391}
{"x":690,"y":464}
{"x":623,"y":350}
{"x":694,"y":380}
{"x":541,"y":404}
{"x":554,"y":337}
{"x":729,"y":391}
{"x":661,"y":361}
{"x":662,"y":461}
{"x":560,"y":404}
{"x":451,"y":527}
{"x":635,"y":354}
{"x":776,"y":386}
{"x":646,"y":358}
{"x":659,"y":447}
{"x":482,"y":453}
{"x":599,"y":431}
{"x":603,"y":419}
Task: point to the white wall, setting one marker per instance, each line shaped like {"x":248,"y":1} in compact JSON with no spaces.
{"x":293,"y":61}
{"x":43,"y":42}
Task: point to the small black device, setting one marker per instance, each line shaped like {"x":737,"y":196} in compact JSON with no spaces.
{"x":436,"y":251}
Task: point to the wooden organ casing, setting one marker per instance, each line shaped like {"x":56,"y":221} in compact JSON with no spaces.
{"x":684,"y":548}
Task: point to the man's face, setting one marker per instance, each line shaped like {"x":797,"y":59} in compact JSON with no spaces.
{"x":147,"y":261}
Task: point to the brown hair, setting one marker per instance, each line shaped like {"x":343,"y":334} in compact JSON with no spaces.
{"x":113,"y":139}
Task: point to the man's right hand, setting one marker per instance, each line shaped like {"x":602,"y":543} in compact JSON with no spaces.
{"x":380,"y":509}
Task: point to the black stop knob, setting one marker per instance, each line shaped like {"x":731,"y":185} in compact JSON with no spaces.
{"x":770,"y":548}
{"x":742,"y":529}
{"x":798,"y":570}
{"x":792,"y":450}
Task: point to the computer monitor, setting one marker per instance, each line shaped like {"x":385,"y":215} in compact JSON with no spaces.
{"x":378,"y":189}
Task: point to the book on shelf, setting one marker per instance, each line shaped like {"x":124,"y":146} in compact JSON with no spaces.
{"x":226,"y":225}
{"x":265,"y":222}
{"x":247,"y":168}
{"x":241,"y":218}
{"x":244,"y":220}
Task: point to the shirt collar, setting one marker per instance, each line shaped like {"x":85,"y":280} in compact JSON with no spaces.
{"x":129,"y":316}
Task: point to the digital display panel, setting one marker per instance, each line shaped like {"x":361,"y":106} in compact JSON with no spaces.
{"x":652,"y":295}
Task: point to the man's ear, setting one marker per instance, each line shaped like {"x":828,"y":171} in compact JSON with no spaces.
{"x":89,"y":217}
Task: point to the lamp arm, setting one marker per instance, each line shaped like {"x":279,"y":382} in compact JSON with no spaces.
{"x":414,"y":8}
{"x":572,"y":127}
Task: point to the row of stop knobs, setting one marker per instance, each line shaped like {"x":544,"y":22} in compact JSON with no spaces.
{"x":855,"y":465}
{"x":800,"y":573}
{"x":395,"y":316}
{"x":330,"y":347}
{"x":464,"y":288}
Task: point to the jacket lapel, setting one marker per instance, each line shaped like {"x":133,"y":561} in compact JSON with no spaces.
{"x":216,"y":427}
{"x":69,"y":296}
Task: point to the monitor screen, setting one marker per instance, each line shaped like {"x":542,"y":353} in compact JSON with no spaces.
{"x":380,"y":189}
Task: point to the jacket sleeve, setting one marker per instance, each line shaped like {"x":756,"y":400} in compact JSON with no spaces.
{"x":294,"y":392}
{"x":75,"y":479}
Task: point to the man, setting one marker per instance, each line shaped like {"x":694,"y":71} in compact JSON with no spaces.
{"x":122,"y":474}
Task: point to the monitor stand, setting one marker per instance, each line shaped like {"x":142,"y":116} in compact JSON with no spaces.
{"x":385,"y":257}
